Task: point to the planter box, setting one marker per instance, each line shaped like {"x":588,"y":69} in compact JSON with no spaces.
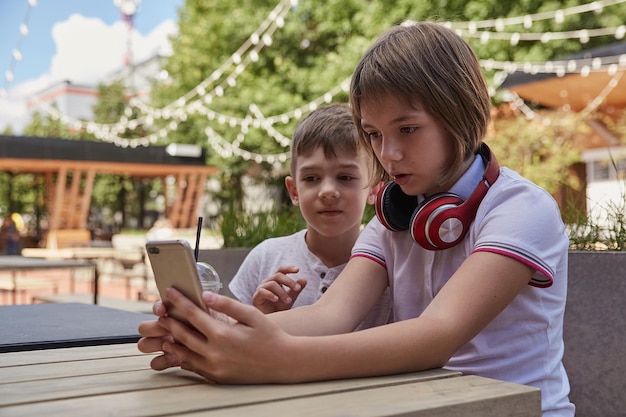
{"x":595,"y":333}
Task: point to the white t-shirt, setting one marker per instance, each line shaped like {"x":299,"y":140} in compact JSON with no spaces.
{"x":265,"y":259}
{"x":524,"y":344}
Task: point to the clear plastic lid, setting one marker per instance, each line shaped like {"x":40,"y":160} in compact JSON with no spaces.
{"x":209,"y":278}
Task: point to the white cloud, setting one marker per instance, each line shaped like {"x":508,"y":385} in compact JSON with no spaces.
{"x":86,"y":51}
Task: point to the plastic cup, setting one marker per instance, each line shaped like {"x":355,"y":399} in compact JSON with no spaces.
{"x":209,"y":279}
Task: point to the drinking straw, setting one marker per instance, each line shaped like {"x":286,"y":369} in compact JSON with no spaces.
{"x":197,"y":250}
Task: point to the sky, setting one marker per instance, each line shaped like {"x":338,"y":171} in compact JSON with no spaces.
{"x":77,"y":40}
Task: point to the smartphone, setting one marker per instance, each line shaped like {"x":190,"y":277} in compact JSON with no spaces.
{"x":174,"y":265}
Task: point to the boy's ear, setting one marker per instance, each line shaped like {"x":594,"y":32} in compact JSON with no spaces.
{"x":290,"y":183}
{"x":371,"y":198}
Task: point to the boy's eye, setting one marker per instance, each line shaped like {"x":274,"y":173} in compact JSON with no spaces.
{"x":309,"y":178}
{"x":346,"y":178}
{"x":408,"y":129}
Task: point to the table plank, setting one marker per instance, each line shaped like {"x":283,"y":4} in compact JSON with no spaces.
{"x":85,"y":385}
{"x":395,"y":395}
{"x":68,"y":354}
{"x":117,"y":381}
{"x":467,"y":396}
{"x":79,"y":387}
{"x":58,"y":370}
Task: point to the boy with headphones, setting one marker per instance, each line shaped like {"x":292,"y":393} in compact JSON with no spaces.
{"x":330,"y":171}
{"x":475,"y":256}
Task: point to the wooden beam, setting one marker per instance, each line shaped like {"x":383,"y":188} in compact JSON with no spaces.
{"x":70,"y":205}
{"x":85,"y":202}
{"x":57,"y":202}
{"x":186,"y":215}
{"x":121,"y":168}
{"x":69,"y":208}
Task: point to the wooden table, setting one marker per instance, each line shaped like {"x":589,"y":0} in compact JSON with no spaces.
{"x":95,"y":254}
{"x":49,"y":326}
{"x":115,"y":380}
{"x":16,"y":264}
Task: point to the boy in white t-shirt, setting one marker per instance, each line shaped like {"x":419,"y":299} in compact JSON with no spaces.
{"x":330,"y":172}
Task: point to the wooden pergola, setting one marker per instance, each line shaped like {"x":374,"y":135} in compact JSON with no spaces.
{"x":575,"y":92}
{"x":68,"y":169}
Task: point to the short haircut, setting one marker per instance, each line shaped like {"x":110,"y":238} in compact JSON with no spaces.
{"x":428,"y":65}
{"x":330,"y":128}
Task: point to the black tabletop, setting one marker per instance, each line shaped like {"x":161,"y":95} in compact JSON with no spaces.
{"x":25,"y":263}
{"x":60,"y":325}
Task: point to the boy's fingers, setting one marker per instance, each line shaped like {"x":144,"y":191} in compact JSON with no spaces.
{"x":294,"y":293}
{"x":302,"y":283}
{"x":264,"y":294}
{"x":276,"y":289}
{"x":281,"y":280}
{"x":288,"y":270}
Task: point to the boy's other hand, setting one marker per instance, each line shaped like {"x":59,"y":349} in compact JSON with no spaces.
{"x":279,"y":291}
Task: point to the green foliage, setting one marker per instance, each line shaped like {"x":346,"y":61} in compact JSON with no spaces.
{"x":46,"y":126}
{"x":316,"y":49}
{"x":606,"y":231}
{"x":111,"y":102}
{"x":241,"y":229}
{"x":18,"y":193}
{"x":609,"y":233}
{"x":539,"y":151}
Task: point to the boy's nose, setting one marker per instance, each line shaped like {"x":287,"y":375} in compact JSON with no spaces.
{"x":329,"y":190}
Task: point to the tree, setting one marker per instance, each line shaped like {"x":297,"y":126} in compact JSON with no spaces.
{"x":118,"y":193}
{"x":315,"y":50}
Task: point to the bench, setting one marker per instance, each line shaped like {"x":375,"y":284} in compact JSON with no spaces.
{"x":67,"y":238}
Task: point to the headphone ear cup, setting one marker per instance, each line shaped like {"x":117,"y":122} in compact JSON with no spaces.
{"x":394,"y":208}
{"x":439,"y":223}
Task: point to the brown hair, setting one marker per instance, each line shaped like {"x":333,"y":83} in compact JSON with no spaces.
{"x":330,"y":128}
{"x":427,"y":64}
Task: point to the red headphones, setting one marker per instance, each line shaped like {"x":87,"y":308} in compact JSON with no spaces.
{"x":442,"y":220}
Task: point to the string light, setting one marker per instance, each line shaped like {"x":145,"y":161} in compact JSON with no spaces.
{"x":198,"y":100}
{"x":514,"y":38}
{"x":181,"y":107}
{"x":16,"y":55}
{"x":527,"y":20}
{"x":558,"y":67}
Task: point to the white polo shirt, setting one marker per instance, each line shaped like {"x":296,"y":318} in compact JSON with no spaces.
{"x":524,"y":344}
{"x":265,"y":259}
